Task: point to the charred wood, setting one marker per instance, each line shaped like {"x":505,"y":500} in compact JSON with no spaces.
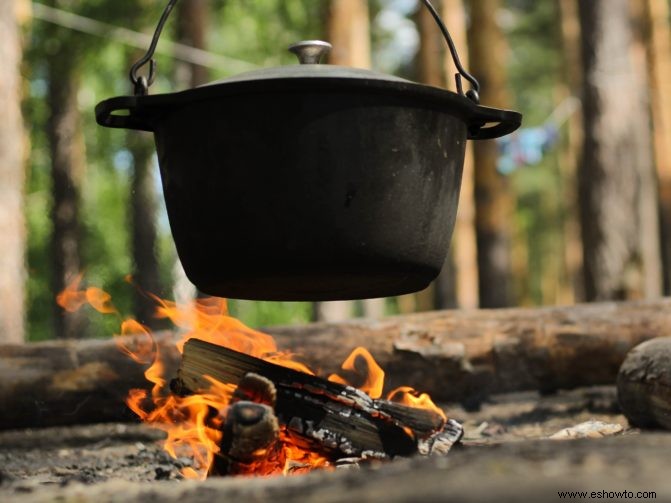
{"x":318,"y":414}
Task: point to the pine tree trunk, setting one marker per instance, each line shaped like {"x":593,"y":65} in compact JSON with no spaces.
{"x":493,"y":199}
{"x":192,"y":25}
{"x":348,"y":28}
{"x":192,"y":19}
{"x":12,"y":174}
{"x":458,"y":283}
{"x":349,"y":32}
{"x":618,"y":197}
{"x":570,"y":154}
{"x":68,"y":163}
{"x":658,"y":43}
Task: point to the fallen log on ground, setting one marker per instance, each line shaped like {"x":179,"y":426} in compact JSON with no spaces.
{"x":456,"y":356}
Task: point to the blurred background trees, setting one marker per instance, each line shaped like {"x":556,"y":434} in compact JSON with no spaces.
{"x":586,"y":181}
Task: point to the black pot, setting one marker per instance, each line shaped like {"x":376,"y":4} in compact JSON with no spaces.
{"x":310,"y":182}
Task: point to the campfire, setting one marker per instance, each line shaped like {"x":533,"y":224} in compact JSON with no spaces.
{"x":241,"y":406}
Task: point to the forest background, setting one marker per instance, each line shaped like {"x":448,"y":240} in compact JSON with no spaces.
{"x":574,"y":207}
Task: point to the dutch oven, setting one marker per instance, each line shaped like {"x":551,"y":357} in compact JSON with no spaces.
{"x":310,"y":182}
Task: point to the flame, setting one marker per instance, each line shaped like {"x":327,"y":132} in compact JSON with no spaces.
{"x":72,"y":299}
{"x":412,"y":398}
{"x":372,"y":376}
{"x":193,"y":424}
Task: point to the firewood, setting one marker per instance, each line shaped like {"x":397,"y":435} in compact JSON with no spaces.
{"x":644,"y":384}
{"x":250,"y":442}
{"x":319,"y":414}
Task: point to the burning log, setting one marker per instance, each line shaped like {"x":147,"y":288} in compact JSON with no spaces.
{"x":318,"y":414}
{"x":251,"y":433}
{"x":456,"y":356}
{"x":644,"y":384}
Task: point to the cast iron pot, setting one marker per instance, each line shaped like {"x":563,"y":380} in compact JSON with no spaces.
{"x":310,"y":182}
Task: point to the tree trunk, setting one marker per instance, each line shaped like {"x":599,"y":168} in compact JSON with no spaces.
{"x":456,"y":356}
{"x":348,"y":28}
{"x":618,"y":194}
{"x":493,"y":199}
{"x":12,"y":174}
{"x":658,"y":43}
{"x":458,"y":283}
{"x":68,"y":163}
{"x":570,"y":153}
{"x":192,"y":24}
{"x":192,"y":27}
{"x":143,"y":212}
{"x":349,"y":32}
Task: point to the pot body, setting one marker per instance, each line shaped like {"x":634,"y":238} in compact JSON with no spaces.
{"x":311,"y":194}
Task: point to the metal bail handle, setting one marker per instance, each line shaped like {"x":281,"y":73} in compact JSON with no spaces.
{"x":141,"y":84}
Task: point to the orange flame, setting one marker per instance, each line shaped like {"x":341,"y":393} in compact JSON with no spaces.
{"x":412,"y":398}
{"x":193,"y":424}
{"x":72,"y":299}
{"x":372,"y":376}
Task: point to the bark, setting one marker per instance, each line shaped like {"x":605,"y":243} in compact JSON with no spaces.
{"x":658,"y":42}
{"x":570,"y":153}
{"x":432,"y":72}
{"x":71,"y":382}
{"x":460,"y":281}
{"x":192,"y":26}
{"x":618,"y":196}
{"x":68,"y":162}
{"x":493,"y":198}
{"x":644,"y":384}
{"x":348,"y":28}
{"x":12,"y":174}
{"x":455,"y":356}
{"x":192,"y":23}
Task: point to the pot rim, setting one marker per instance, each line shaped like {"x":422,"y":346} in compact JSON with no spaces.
{"x":145,"y":112}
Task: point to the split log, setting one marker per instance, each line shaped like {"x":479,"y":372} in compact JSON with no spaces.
{"x":322,"y":416}
{"x":456,"y":356}
{"x":644,"y":384}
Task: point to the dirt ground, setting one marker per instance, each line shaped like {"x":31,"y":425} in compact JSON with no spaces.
{"x":505,"y":456}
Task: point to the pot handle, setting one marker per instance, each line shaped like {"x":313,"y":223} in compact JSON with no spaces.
{"x":106,"y":116}
{"x":486,"y":123}
{"x":141,"y":83}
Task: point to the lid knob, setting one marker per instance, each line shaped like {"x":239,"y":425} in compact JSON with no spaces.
{"x":311,"y":52}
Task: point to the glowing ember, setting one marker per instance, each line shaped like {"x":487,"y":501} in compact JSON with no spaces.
{"x":193,"y":424}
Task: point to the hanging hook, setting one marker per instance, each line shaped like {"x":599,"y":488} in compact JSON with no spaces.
{"x":472,"y":94}
{"x":141,"y":83}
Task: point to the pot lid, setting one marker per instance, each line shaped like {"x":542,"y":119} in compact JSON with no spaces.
{"x":310,"y":54}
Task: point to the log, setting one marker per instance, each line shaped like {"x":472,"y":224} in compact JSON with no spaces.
{"x":326,"y":417}
{"x":644,"y":384}
{"x":72,"y":382}
{"x":465,"y":356}
{"x":456,"y":356}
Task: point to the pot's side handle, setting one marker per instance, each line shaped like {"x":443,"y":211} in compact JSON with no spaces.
{"x":121,"y":112}
{"x":487,"y":123}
